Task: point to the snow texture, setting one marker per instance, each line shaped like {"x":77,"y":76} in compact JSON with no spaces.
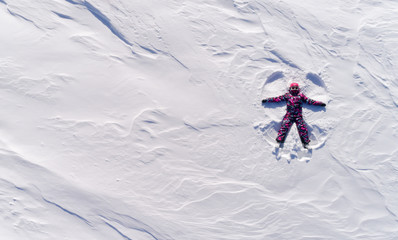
{"x":143,"y":120}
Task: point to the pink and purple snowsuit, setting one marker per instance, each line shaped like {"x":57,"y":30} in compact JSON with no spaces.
{"x":294,"y":114}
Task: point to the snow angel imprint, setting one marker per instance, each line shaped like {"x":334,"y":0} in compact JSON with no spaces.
{"x":294,"y":113}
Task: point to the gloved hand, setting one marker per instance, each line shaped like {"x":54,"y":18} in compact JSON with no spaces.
{"x":323,"y":104}
{"x":264,"y":101}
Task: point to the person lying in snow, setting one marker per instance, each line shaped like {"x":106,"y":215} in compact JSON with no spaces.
{"x":294,"y":113}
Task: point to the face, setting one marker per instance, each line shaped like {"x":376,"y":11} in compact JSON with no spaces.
{"x":294,"y":90}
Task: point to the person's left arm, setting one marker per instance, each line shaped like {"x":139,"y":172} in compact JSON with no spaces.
{"x":311,"y":101}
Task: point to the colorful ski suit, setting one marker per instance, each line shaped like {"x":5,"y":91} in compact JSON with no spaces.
{"x":294,"y":114}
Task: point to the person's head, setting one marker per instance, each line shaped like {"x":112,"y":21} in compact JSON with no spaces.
{"x":294,"y":89}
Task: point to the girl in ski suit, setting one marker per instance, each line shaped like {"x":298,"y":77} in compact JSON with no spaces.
{"x":294,"y":113}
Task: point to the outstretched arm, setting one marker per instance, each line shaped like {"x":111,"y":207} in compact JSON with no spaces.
{"x":312,"y":102}
{"x":275,"y":99}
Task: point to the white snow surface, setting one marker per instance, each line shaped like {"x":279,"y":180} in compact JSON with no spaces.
{"x":143,"y":119}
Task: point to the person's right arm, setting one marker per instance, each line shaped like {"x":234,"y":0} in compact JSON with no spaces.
{"x":275,"y":99}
